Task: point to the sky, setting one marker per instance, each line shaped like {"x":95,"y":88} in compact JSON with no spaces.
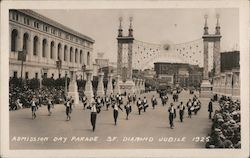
{"x":150,"y":25}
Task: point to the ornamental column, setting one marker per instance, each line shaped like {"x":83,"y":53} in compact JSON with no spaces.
{"x":110,"y":85}
{"x":100,"y":87}
{"x":88,"y":86}
{"x":73,"y":90}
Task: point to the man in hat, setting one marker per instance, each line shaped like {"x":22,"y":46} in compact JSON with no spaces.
{"x":154,"y":102}
{"x":84,"y":101}
{"x":145,"y":104}
{"x":172,"y":115}
{"x":128,"y":109}
{"x":210,"y":108}
{"x":189,"y":106}
{"x":139,"y":105}
{"x":116,"y":107}
{"x":93,"y":115}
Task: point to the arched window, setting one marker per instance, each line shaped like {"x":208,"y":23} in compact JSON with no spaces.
{"x":76,"y":55}
{"x":65,"y":53}
{"x":59,"y":51}
{"x":25,"y":41}
{"x":88,"y":58}
{"x":71,"y":55}
{"x":14,"y":34}
{"x":35,"y":45}
{"x":80,"y":56}
{"x":52,"y":49}
{"x":44,"y":48}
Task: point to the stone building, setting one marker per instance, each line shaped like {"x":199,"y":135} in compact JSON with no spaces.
{"x":46,"y":42}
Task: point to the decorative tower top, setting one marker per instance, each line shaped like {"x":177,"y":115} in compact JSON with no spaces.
{"x":206,"y":27}
{"x":130,"y":30}
{"x":120,"y":28}
{"x":217,"y":28}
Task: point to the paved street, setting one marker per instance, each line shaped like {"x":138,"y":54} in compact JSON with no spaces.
{"x":150,"y":127}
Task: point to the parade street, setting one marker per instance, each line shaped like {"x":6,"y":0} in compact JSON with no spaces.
{"x":143,"y":131}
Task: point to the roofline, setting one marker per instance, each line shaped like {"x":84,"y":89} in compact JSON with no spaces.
{"x":54,"y":23}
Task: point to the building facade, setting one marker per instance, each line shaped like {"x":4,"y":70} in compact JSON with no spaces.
{"x":182,"y":74}
{"x":46,"y":42}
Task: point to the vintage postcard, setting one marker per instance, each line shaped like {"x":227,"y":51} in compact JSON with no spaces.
{"x":124,"y":79}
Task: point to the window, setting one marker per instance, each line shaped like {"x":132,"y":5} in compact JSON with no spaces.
{"x":35,"y":46}
{"x":65,"y":53}
{"x":25,"y":41}
{"x":26,"y":75}
{"x":59,"y":34}
{"x":14,"y":34}
{"x":15,"y":74}
{"x":81,"y":56}
{"x":28,"y":22}
{"x":36,"y":75}
{"x":44,"y":48}
{"x":71,"y":54}
{"x":45,"y":75}
{"x":59,"y":53}
{"x":76,"y":55}
{"x":16,"y":17}
{"x":88,"y":58}
{"x":52,"y":50}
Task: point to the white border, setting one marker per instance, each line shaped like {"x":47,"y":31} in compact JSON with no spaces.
{"x":244,"y":63}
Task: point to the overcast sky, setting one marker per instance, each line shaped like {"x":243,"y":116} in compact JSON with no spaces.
{"x":150,"y":25}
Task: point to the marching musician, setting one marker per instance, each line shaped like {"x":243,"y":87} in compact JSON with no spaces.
{"x":154,"y":102}
{"x":181,"y":108}
{"x":128,"y":109}
{"x":116,"y":107}
{"x":139,"y":105}
{"x":189,"y":106}
{"x":145,"y":104}
{"x":84,"y":101}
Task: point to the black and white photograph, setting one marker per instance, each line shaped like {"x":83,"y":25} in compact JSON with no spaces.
{"x":125,"y":80}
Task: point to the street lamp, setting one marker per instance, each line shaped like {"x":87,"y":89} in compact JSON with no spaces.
{"x":22,"y":56}
{"x":66,"y":83}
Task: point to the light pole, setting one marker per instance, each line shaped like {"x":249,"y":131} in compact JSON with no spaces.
{"x":66,"y":83}
{"x":22,"y":57}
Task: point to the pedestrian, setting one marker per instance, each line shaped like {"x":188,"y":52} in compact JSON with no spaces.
{"x":116,"y":107}
{"x":68,"y":105}
{"x":49,"y":105}
{"x":139,"y":105}
{"x":33,"y":108}
{"x":145,"y":104}
{"x":154,"y":102}
{"x":189,"y":106}
{"x":84,"y":101}
{"x":128,"y":109}
{"x":172,"y":115}
{"x":210,"y":108}
{"x":181,"y":108}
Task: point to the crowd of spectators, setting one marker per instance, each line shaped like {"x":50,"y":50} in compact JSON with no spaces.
{"x":21,"y":97}
{"x":226,"y":127}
